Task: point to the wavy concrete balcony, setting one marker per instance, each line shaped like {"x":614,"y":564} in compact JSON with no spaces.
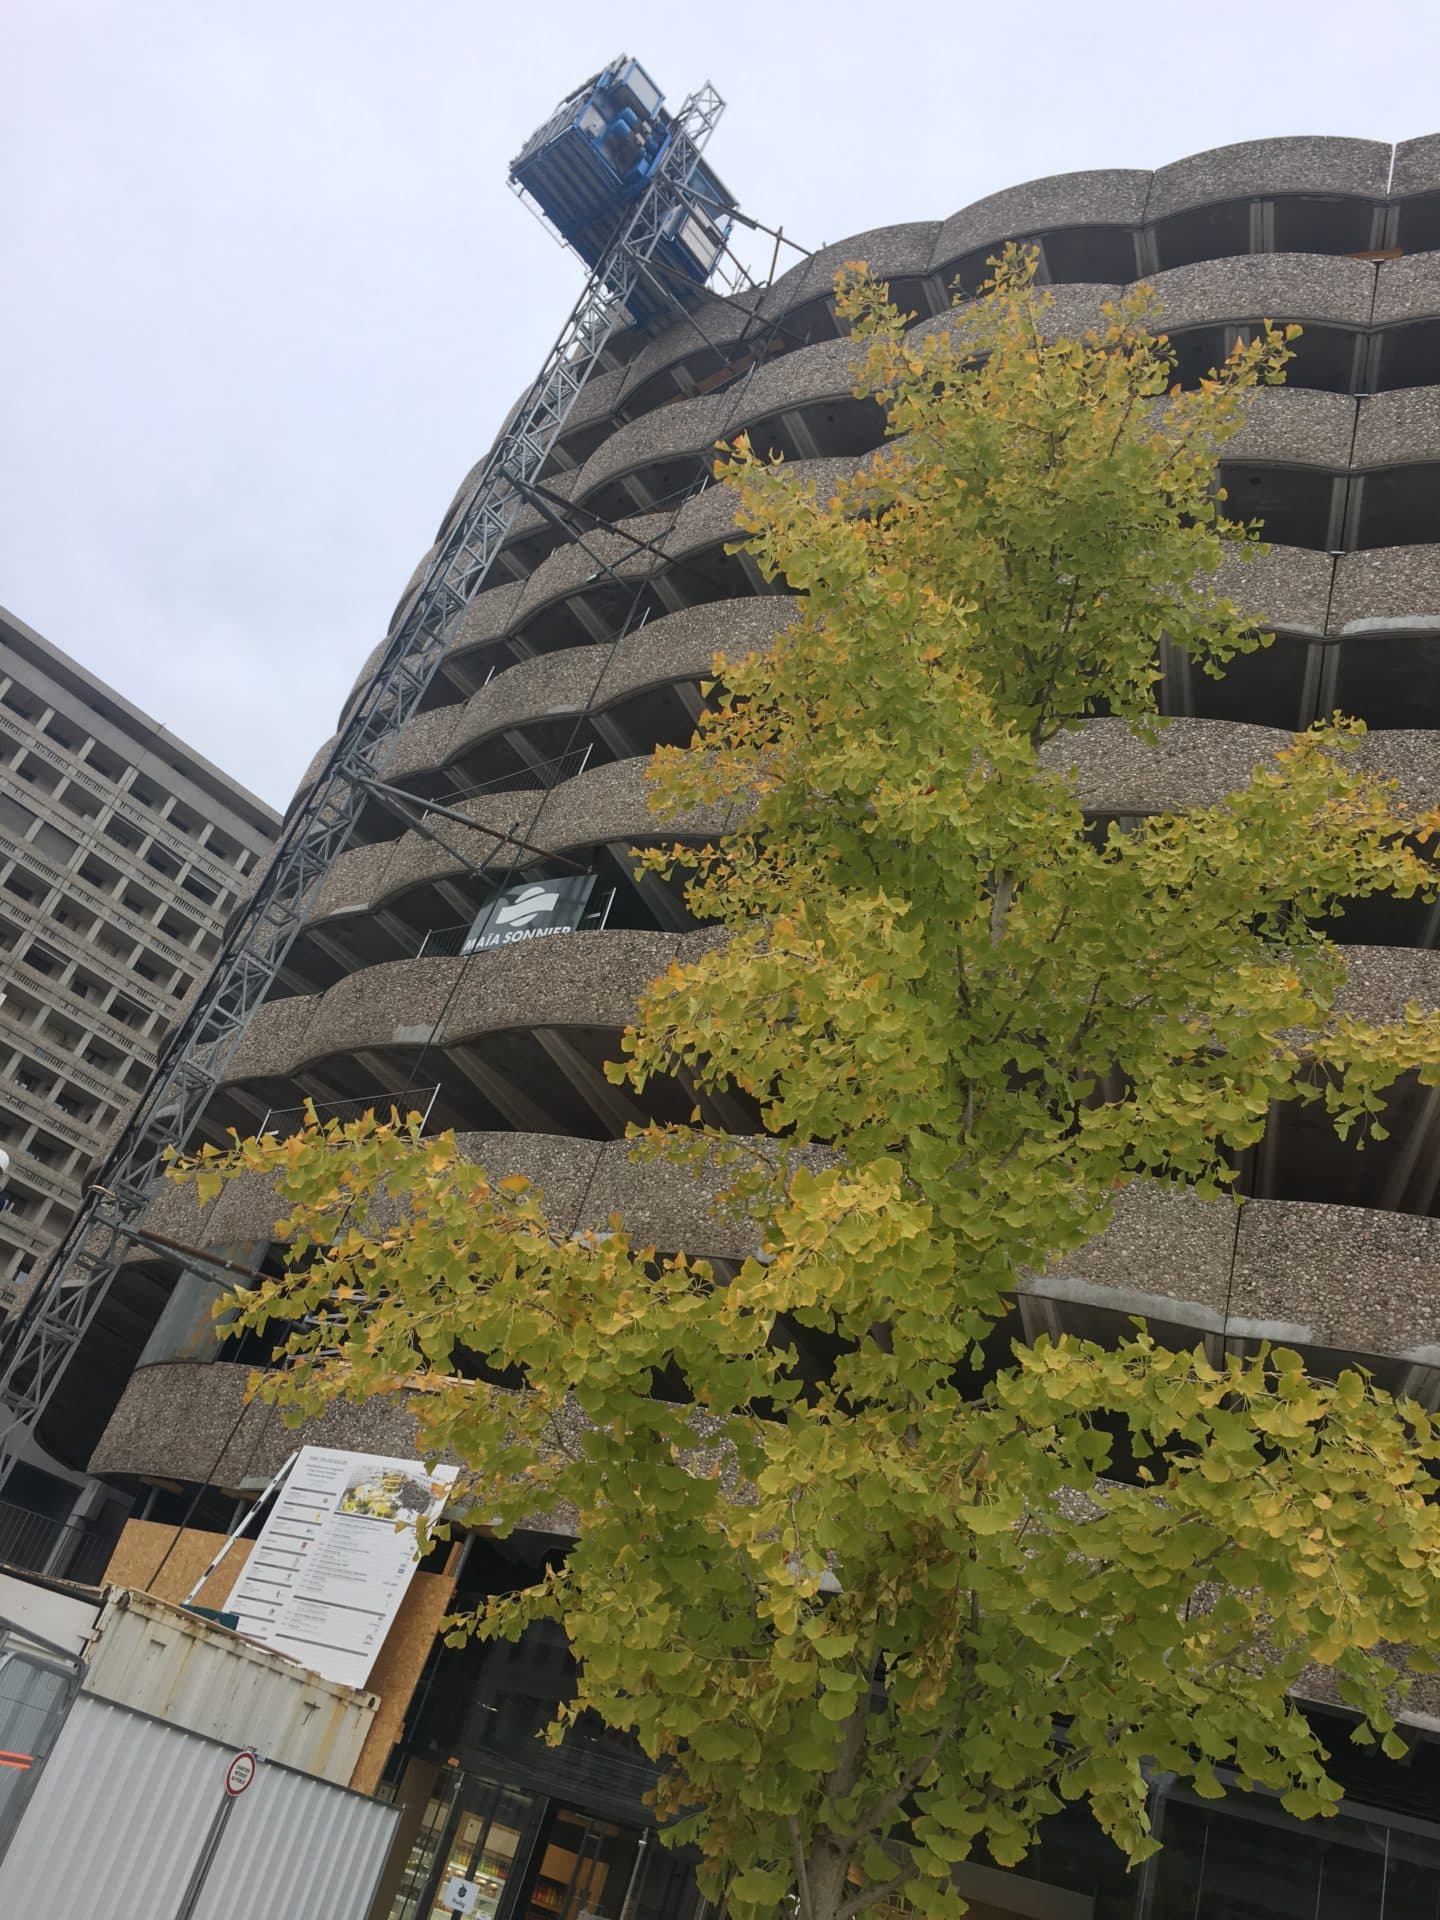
{"x":585,"y":979}
{"x":1305,"y":165}
{"x":1398,"y":429}
{"x":1324,"y":1277}
{"x":1218,"y":288}
{"x":1103,"y":214}
{"x":1315,"y":288}
{"x":673,"y":649}
{"x":590,"y":983}
{"x":607,"y":806}
{"x":1387,"y":586}
{"x":1288,"y":589}
{"x":1407,"y":289}
{"x":1194,"y":762}
{"x":1328,"y":1280}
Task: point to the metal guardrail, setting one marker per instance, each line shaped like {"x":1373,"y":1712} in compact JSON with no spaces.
{"x":42,"y":1544}
{"x":444,"y":942}
{"x":544,"y":773}
{"x":405,"y":1101}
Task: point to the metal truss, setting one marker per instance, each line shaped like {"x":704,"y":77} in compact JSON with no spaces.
{"x":193,"y":1060}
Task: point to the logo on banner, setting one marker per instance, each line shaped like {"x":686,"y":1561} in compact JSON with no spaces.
{"x":531,"y":912}
{"x":530,"y":904}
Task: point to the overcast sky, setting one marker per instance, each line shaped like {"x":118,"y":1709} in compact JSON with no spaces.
{"x":267,"y":295}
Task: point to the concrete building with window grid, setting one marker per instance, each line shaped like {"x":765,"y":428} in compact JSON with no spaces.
{"x":574,"y":661}
{"x":122,"y":850}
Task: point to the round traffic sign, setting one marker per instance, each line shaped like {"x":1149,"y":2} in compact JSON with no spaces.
{"x":239,"y":1773}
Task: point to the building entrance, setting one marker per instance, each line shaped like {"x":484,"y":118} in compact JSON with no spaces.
{"x":497,"y":1853}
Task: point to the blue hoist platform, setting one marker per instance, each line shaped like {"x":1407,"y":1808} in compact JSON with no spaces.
{"x":595,"y":156}
{"x":623,"y":182}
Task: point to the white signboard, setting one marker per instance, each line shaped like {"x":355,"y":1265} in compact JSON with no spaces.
{"x":333,"y":1562}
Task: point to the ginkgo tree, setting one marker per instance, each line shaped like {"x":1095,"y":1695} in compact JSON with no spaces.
{"x":876,"y":1585}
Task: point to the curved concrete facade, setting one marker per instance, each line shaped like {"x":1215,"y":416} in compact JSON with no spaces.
{"x":1325,"y":1279}
{"x":576,"y":659}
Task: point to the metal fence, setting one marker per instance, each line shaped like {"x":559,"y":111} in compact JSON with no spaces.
{"x":43,"y":1544}
{"x":407,"y":1100}
{"x":542,"y":773}
{"x":131,"y":1817}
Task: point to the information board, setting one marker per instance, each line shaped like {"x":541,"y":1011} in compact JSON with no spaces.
{"x":326,"y":1577}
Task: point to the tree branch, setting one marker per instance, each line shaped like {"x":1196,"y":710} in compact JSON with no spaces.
{"x":802,"y":1876}
{"x":872,"y":1896}
{"x":891,"y":1802}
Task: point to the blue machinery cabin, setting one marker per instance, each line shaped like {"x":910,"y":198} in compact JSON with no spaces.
{"x":593,"y":158}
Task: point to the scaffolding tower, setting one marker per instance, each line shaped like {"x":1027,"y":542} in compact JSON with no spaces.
{"x":655,"y":216}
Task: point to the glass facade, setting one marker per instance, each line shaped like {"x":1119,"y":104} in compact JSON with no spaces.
{"x":562,"y":1832}
{"x":494,"y":1852}
{"x":1243,"y":1859}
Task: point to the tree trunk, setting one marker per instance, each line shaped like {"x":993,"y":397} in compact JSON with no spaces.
{"x":826,"y":1866}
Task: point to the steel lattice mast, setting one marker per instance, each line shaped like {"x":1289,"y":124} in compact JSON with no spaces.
{"x":193,"y":1061}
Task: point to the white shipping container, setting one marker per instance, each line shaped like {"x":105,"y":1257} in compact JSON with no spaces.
{"x":66,"y":1618}
{"x":147,"y":1654}
{"x":126,"y":1808}
{"x":152,"y":1655}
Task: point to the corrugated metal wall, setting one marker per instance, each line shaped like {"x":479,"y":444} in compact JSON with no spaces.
{"x":120,"y":1815}
{"x":297,"y":1849}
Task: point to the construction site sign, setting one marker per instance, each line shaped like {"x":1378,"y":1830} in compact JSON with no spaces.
{"x":326,"y":1577}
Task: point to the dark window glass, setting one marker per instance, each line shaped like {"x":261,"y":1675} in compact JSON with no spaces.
{"x":1409,"y":356}
{"x":1419,"y":229}
{"x":1324,"y":360}
{"x":1292,"y":502}
{"x":1198,"y":352}
{"x":1390,"y":680}
{"x":1092,"y":255}
{"x":1312,"y":225}
{"x":1265,"y":688}
{"x":1203,"y":233}
{"x":1400,"y":507}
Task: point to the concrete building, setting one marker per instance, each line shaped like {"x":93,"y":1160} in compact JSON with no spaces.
{"x":122,"y":851}
{"x":572,"y":664}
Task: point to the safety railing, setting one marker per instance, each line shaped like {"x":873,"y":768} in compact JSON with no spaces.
{"x":407,"y":1100}
{"x":42,"y":1544}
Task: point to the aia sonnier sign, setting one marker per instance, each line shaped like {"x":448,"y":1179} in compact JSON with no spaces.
{"x":530,"y":912}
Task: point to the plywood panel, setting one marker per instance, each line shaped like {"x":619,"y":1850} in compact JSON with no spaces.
{"x":167,"y":1561}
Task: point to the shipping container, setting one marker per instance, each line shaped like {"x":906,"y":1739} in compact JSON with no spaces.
{"x":151,"y":1655}
{"x":130,"y":1818}
{"x":147,"y":1654}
